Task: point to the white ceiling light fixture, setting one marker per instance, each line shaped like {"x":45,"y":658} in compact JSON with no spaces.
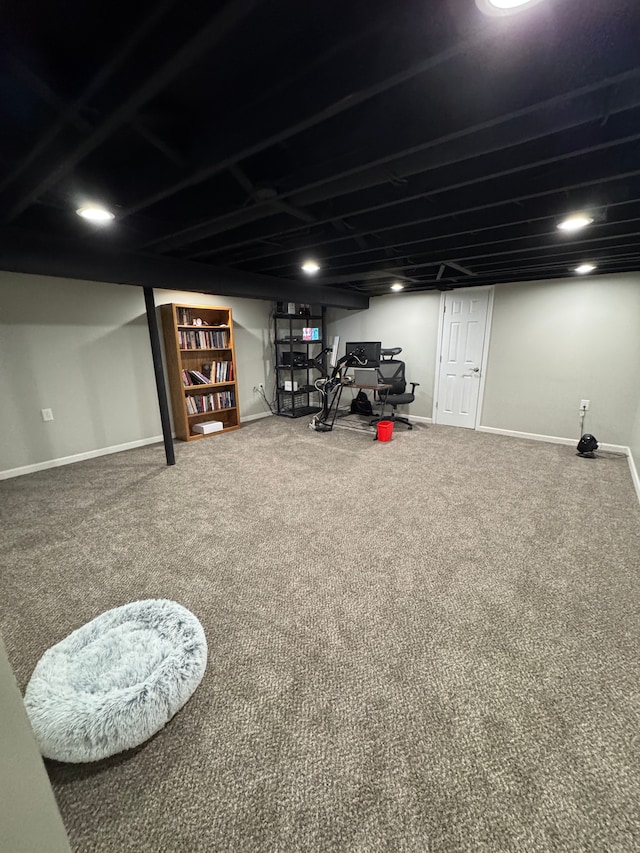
{"x":310,"y":267}
{"x":584,"y":269}
{"x":575,"y":222}
{"x":397,"y":286}
{"x":96,"y":214}
{"x":505,"y":7}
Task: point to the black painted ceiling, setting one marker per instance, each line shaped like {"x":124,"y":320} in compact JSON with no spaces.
{"x":415,"y":141}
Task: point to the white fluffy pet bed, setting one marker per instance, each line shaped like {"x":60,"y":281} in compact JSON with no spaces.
{"x":116,"y":681}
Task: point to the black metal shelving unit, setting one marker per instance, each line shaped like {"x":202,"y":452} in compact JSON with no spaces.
{"x":292,"y":356}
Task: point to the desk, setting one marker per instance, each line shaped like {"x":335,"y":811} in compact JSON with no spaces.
{"x":381,"y":387}
{"x":330,"y":407}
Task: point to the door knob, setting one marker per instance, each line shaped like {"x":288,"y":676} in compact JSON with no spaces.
{"x":475,"y":370}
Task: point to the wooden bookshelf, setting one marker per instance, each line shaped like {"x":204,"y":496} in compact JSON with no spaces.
{"x":191,"y":348}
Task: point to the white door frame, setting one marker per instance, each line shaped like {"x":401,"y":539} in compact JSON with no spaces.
{"x":485,"y":349}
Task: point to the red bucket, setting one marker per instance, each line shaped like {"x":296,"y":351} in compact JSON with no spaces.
{"x":385,"y":430}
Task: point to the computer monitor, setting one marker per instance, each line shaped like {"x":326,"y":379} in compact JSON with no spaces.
{"x":364,"y":354}
{"x":333,"y":358}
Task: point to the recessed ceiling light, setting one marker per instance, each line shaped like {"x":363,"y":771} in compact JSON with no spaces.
{"x":94,"y":213}
{"x":397,"y":286}
{"x":583,"y":269}
{"x":310,"y":267}
{"x":504,"y":7}
{"x":575,"y":222}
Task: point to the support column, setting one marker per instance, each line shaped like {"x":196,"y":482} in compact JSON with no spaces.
{"x":156,"y":352}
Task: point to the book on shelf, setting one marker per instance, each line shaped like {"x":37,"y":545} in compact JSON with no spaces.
{"x":218,"y":371}
{"x":204,"y":338}
{"x":191,"y":317}
{"x":194,"y":377}
{"x":184,"y":316}
{"x":198,"y":403}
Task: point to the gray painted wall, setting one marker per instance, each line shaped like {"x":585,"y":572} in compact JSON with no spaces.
{"x":634,"y":442}
{"x":557,"y":342}
{"x":29,"y":818}
{"x":402,"y":320}
{"x":78,"y":348}
{"x":552,"y":344}
{"x":82,"y":349}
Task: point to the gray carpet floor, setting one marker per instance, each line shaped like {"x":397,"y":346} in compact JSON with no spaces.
{"x":429,"y":644}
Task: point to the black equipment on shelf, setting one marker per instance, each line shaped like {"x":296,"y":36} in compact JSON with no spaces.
{"x":292,"y":358}
{"x":300,"y":360}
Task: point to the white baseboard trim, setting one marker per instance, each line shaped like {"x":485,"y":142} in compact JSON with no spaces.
{"x":420,"y":419}
{"x":246,"y":418}
{"x":103,"y":451}
{"x":533,"y":436}
{"x":78,"y":457}
{"x":131,"y":445}
{"x":634,"y":473}
{"x":552,"y":439}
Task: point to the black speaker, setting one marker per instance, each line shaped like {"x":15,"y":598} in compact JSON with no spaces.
{"x":294,"y":359}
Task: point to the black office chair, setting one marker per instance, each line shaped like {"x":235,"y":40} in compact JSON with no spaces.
{"x":391,"y":372}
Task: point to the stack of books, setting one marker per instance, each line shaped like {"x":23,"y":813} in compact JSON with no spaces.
{"x":194,"y":377}
{"x":197,"y":403}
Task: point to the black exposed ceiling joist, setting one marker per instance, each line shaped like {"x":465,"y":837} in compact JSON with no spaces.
{"x":397,"y":245}
{"x":567,"y":256}
{"x":600,"y":255}
{"x":610,"y":256}
{"x":434,"y":154}
{"x":217,"y":27}
{"x":553,"y":250}
{"x":624,"y":263}
{"x":253,"y":194}
{"x":396,"y":226}
{"x":519,"y":275}
{"x":243,"y":180}
{"x":459,"y":268}
{"x":21,"y":251}
{"x":296,"y":212}
{"x":238,"y":150}
{"x":505,"y":173}
{"x":550,"y":250}
{"x":159,"y":144}
{"x":519,"y":127}
{"x":41,"y":88}
{"x":70,"y":113}
{"x":503,"y":241}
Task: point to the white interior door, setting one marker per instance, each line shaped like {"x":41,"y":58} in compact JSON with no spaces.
{"x":461,"y":351}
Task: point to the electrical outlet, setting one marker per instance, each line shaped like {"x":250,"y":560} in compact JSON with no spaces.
{"x":47,"y":414}
{"x":584,"y":405}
